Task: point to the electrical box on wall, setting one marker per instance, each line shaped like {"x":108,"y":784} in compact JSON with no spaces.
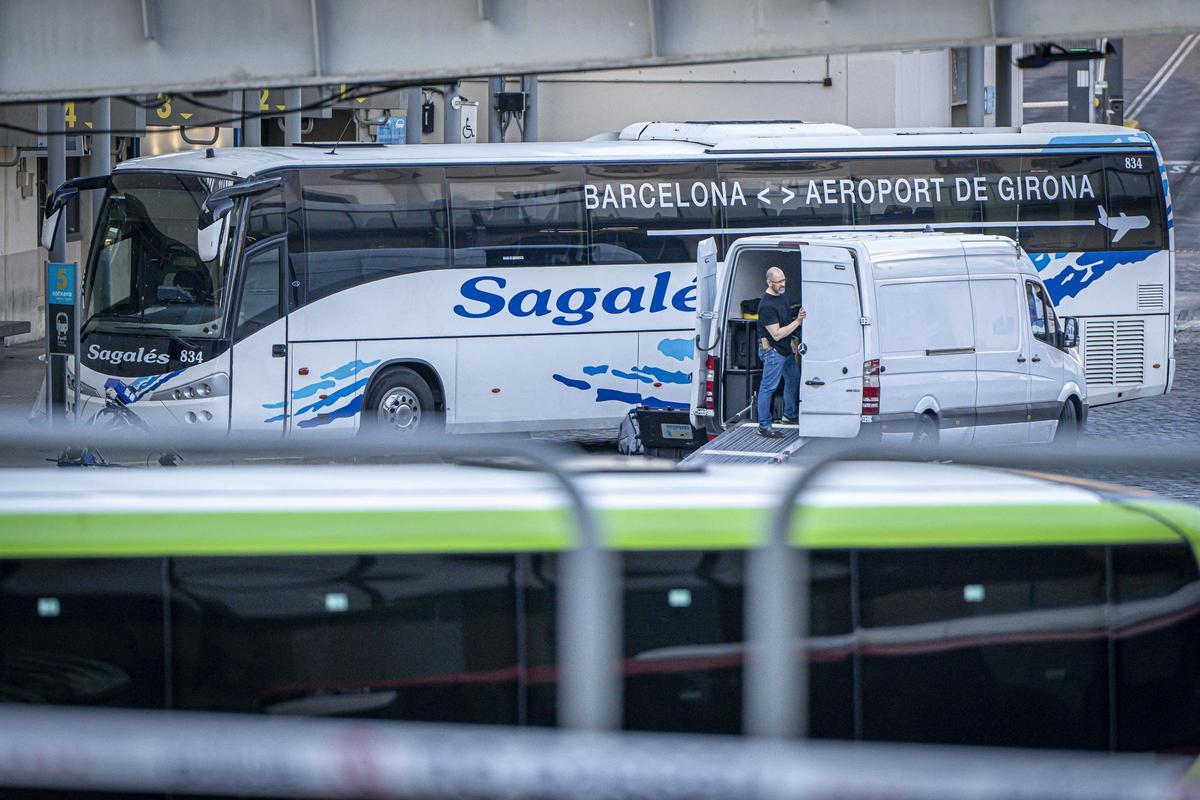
{"x":428,"y":124}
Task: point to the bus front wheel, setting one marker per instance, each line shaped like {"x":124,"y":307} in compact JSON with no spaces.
{"x":400,"y":402}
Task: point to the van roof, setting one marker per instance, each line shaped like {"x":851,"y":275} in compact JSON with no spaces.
{"x":423,"y":508}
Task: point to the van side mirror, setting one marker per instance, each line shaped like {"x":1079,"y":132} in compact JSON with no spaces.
{"x":1070,"y":333}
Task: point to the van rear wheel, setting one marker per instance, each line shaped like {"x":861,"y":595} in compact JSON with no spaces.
{"x":927,"y":433}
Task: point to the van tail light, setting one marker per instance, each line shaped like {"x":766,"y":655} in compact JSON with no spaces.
{"x":710,"y":375}
{"x":870,"y":391}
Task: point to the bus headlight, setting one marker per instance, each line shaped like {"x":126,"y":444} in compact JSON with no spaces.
{"x":211,"y":386}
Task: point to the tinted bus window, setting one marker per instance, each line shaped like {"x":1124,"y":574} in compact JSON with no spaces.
{"x":517,"y":216}
{"x":801,"y":194}
{"x":1003,"y":647}
{"x":82,"y":632}
{"x":413,"y":637}
{"x":916,"y":192}
{"x":1000,"y":177}
{"x":1157,"y":648}
{"x":366,"y":224}
{"x":1135,"y":190}
{"x":1059,"y":198}
{"x":635,"y":210}
{"x":683,"y":648}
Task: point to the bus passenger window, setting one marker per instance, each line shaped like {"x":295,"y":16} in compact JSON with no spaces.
{"x":82,"y":632}
{"x":411,"y":637}
{"x":1135,"y":203}
{"x":364,"y":225}
{"x":1157,"y":648}
{"x":639,"y":212}
{"x":519,"y":216}
{"x":998,"y":647}
{"x":1061,"y":196}
{"x":777,"y":195}
{"x":917,"y":192}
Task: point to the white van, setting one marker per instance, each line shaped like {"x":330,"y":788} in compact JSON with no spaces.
{"x":913,"y":336}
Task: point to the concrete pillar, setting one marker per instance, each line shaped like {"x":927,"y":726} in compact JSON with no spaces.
{"x":56,"y":173}
{"x":529,"y":85}
{"x":412,"y":130}
{"x":975,"y":81}
{"x":251,"y":128}
{"x":101,"y":161}
{"x":495,"y":87}
{"x":291,"y":117}
{"x":450,"y":116}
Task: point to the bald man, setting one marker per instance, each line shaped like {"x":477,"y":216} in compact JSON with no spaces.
{"x":777,"y":349}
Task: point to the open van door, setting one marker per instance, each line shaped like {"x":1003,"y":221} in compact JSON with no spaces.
{"x":832,"y":336}
{"x":707,"y":332}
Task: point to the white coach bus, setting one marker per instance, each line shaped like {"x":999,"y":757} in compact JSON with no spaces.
{"x":551,"y":286}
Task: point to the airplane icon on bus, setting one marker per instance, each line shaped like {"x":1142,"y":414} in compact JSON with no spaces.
{"x":1122,"y":224}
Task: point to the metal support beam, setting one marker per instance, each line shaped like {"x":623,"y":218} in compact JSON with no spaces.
{"x":975,"y":82}
{"x":101,"y":159}
{"x":1079,"y":91}
{"x":412,"y":130}
{"x":291,"y":117}
{"x":47,"y":49}
{"x":1112,"y":104}
{"x":1005,"y":86}
{"x":252,"y":127}
{"x":529,"y":85}
{"x":450,"y":115}
{"x":495,"y":87}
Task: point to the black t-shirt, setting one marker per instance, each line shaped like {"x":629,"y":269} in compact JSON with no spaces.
{"x":774,"y":309}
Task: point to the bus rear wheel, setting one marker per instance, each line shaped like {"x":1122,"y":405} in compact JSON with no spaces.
{"x":400,"y":403}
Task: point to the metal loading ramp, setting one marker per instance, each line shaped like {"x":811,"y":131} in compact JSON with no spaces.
{"x":742,"y":444}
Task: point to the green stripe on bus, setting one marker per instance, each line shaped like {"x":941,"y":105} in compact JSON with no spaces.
{"x":889,"y":526}
{"x":523,"y":530}
{"x":1184,"y":517}
{"x":272,"y":532}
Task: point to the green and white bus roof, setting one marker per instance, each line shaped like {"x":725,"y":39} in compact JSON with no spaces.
{"x":468,"y":509}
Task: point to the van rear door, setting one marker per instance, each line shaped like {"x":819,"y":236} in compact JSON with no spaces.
{"x":706,"y":329}
{"x":831,"y":367}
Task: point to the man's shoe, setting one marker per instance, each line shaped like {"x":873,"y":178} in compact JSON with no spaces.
{"x":788,"y":420}
{"x":770,"y":433}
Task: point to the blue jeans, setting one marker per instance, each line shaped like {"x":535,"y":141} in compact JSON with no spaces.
{"x":776,"y":366}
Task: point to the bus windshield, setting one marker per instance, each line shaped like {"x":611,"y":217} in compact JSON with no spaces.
{"x":144,"y":272}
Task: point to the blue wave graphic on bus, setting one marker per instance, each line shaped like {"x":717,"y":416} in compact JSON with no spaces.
{"x":633,"y":398}
{"x":678,"y":349}
{"x":1074,"y":272}
{"x":572,"y":382}
{"x":351,"y":392}
{"x":130,"y":393}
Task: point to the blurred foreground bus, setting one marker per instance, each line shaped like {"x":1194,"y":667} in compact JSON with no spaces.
{"x":948,"y":604}
{"x":542,"y":286}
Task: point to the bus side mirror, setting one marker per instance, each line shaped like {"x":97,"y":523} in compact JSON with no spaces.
{"x":1070,"y":333}
{"x":64,"y":194}
{"x":217,"y":206}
